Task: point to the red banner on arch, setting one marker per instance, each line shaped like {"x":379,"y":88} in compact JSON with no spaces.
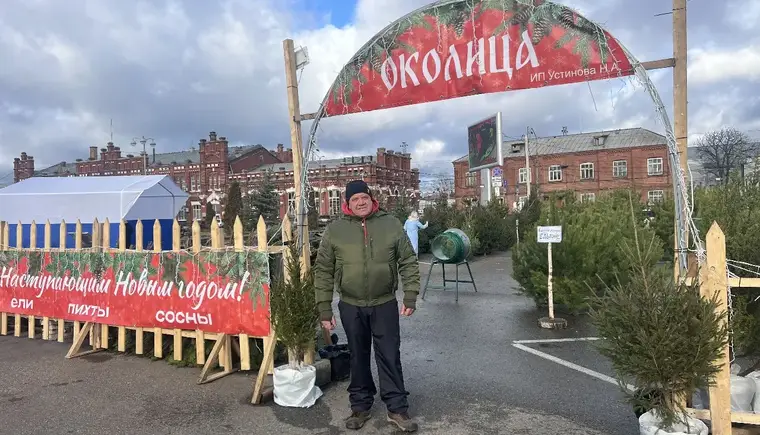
{"x":475,"y":47}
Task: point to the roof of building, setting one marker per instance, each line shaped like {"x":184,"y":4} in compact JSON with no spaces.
{"x":194,"y":155}
{"x":178,"y":157}
{"x":58,"y":170}
{"x":575,"y":143}
{"x":328,"y":163}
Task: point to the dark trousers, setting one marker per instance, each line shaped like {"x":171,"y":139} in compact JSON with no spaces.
{"x":364,"y":327}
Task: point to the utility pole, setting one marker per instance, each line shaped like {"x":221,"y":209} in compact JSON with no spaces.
{"x":294,"y":114}
{"x":680,"y":118}
{"x":527,"y":159}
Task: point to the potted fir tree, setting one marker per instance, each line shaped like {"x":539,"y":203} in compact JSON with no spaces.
{"x":294,"y":317}
{"x":661,"y":336}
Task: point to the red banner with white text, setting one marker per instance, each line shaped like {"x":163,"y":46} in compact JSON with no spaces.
{"x":470,"y":47}
{"x":222,"y":292}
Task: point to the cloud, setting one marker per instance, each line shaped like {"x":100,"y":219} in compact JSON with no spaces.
{"x":175,"y":70}
{"x":714,"y":65}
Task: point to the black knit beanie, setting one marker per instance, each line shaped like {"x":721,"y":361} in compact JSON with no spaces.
{"x":356,"y":186}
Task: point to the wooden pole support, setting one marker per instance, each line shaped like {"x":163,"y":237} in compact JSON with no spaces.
{"x":714,"y":281}
{"x":680,"y":113}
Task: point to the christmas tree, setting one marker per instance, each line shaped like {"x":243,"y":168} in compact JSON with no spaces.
{"x":293,"y":308}
{"x":210,"y":215}
{"x":234,"y":206}
{"x":265,"y":201}
{"x":662,"y":336}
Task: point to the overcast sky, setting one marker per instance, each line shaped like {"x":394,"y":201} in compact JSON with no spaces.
{"x":175,"y":70}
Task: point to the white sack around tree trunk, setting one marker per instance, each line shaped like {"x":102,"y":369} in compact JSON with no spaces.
{"x":649,"y":424}
{"x":755,"y":376}
{"x":742,"y":392}
{"x":296,"y":388}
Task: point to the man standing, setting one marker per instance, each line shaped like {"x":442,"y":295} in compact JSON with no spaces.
{"x":363,"y":253}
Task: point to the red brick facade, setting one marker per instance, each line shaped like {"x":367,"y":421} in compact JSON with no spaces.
{"x":206,"y":172}
{"x":587,"y":171}
{"x":23,"y":167}
{"x":388,"y":173}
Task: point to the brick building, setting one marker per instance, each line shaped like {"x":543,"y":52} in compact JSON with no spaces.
{"x":206,"y":171}
{"x":586,"y":164}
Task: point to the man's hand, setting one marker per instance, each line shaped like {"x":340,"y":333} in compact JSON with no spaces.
{"x":406,"y":311}
{"x":329,"y":324}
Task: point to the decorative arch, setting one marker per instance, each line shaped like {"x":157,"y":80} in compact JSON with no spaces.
{"x":458,"y":48}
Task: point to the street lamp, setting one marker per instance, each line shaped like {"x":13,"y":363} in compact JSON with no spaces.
{"x":144,"y":141}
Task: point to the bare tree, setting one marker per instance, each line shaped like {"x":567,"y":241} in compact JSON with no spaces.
{"x":723,"y":151}
{"x":443,"y":188}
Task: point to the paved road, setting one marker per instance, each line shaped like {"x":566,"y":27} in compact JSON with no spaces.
{"x":463,"y":374}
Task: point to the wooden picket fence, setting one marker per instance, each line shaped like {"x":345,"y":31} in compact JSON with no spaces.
{"x":224,"y":345}
{"x":714,"y":279}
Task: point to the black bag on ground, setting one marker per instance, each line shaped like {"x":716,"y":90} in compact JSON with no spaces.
{"x":340,"y":360}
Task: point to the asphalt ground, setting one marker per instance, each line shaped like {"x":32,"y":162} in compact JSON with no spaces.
{"x":462,"y":371}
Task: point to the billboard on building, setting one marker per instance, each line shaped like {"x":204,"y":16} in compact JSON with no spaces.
{"x":484,"y":143}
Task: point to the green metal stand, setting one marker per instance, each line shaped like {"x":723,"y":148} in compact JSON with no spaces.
{"x":456,"y":280}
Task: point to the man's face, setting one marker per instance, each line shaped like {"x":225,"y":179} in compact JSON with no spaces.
{"x":360,"y":204}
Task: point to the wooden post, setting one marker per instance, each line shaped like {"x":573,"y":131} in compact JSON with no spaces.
{"x":105,"y":242}
{"x":680,"y":118}
{"x":158,"y":334}
{"x":269,"y":342}
{"x":714,"y":280}
{"x":121,"y":338}
{"x":4,"y":246}
{"x":294,"y":114}
{"x":62,"y":233}
{"x":296,"y":137}
{"x":139,"y":337}
{"x":32,"y":247}
{"x":549,"y":287}
{"x":177,"y":349}
{"x":239,"y":243}
{"x":200,"y":336}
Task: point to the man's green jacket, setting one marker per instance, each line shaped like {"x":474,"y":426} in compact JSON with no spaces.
{"x":364,"y":258}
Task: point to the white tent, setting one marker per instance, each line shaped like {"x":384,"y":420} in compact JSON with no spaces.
{"x":114,"y":198}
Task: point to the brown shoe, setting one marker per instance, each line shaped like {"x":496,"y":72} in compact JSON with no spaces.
{"x":357,"y":419}
{"x":403,"y":422}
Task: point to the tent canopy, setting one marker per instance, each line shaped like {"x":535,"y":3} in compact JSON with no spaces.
{"x":130,"y":197}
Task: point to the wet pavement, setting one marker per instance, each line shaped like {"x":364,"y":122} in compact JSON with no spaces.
{"x":462,"y":371}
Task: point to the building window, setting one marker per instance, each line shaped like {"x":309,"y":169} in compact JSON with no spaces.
{"x":471,"y":179}
{"x":197,"y":212}
{"x":213,"y":181}
{"x":334,"y":202}
{"x":523,"y":176}
{"x":291,"y":204}
{"x":588,"y":197}
{"x":182,"y":215}
{"x":587,"y":171}
{"x":555,"y":173}
{"x":654,"y":196}
{"x":654,"y":166}
{"x":194,"y":185}
{"x":620,"y":169}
